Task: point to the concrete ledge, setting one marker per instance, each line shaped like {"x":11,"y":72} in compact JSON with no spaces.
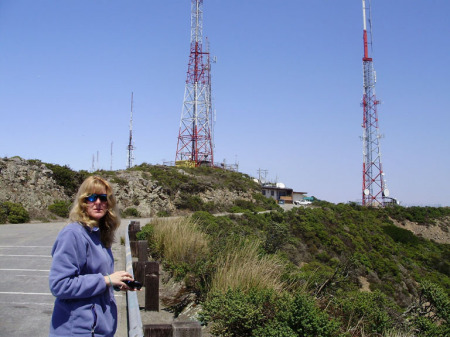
{"x":134,"y":314}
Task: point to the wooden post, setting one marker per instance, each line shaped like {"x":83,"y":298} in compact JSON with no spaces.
{"x":139,"y":271}
{"x":158,"y":330}
{"x":187,"y":329}
{"x":132,"y":234}
{"x":134,"y":225}
{"x":142,"y":250}
{"x":134,"y":248}
{"x":151,"y":284}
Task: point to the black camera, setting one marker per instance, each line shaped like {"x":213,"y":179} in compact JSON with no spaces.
{"x":133,"y":284}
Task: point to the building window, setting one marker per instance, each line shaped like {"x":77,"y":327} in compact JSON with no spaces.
{"x":272,"y":193}
{"x":264,"y":192}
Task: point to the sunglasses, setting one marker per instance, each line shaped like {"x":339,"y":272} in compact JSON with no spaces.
{"x":93,"y":197}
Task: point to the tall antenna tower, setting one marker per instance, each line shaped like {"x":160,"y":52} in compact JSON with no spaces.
{"x":130,"y":142}
{"x":374,"y":190}
{"x":195,"y":146}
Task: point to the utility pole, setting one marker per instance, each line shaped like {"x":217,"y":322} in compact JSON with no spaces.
{"x":259,"y":175}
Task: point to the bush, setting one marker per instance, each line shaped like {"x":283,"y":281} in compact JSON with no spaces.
{"x":190,"y":202}
{"x":168,"y":177}
{"x":275,"y":328}
{"x":431,"y":314}
{"x":3,"y":213}
{"x":306,"y":319}
{"x":60,"y":208}
{"x":13,"y":213}
{"x":276,"y":237}
{"x":401,"y":235}
{"x":236,"y":314}
{"x":163,"y":214}
{"x":265,"y":313}
{"x":371,"y":311}
{"x":67,"y":178}
{"x":131,"y":212}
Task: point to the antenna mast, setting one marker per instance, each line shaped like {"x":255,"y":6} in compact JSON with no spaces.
{"x":195,"y":146}
{"x":130,"y":142}
{"x":374,"y":190}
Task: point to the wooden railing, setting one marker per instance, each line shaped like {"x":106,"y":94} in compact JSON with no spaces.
{"x":147,"y":272}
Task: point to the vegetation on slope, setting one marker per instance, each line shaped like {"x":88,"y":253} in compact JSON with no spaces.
{"x":325,"y":254}
{"x":11,"y":212}
{"x":182,"y":186}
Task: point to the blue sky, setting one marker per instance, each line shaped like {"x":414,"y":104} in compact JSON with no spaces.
{"x":287,"y":87}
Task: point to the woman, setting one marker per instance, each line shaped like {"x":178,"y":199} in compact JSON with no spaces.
{"x":82,"y":275}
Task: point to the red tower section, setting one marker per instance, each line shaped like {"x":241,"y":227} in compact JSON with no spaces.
{"x":195,"y":146}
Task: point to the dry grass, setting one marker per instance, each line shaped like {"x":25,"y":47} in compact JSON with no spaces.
{"x":180,"y":240}
{"x":398,"y":334}
{"x":242,"y":268}
{"x":391,"y":333}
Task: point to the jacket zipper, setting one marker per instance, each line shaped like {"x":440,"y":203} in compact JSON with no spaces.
{"x":94,"y":314}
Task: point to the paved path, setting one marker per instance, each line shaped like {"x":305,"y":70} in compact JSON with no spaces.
{"x":26,"y":303}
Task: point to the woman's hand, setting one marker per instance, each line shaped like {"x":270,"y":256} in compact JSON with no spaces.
{"x":117,"y":279}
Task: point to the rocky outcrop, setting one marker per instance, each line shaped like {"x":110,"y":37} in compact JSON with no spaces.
{"x":31,"y":185}
{"x":137,"y":190}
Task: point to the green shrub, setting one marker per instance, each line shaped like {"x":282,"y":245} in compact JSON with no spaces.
{"x":146,"y":233}
{"x":119,"y":181}
{"x":69,"y":179}
{"x":170,"y":178}
{"x":3,"y":213}
{"x":371,"y":310}
{"x":262,"y":312}
{"x":237,"y":314}
{"x":431,"y":314}
{"x":190,"y":202}
{"x":306,"y":319}
{"x":13,"y":213}
{"x":421,"y":215}
{"x":163,"y":214}
{"x":131,"y":212}
{"x":276,"y":236}
{"x":243,"y":204}
{"x":61,"y":208}
{"x":236,"y":209}
{"x":401,"y":235}
{"x":274,"y":328}
{"x":264,"y":202}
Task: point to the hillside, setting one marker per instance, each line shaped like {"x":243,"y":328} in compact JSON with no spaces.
{"x":326,"y":270}
{"x":144,"y":190}
{"x":367,"y":269}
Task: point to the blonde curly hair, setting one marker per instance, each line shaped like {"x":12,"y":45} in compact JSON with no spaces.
{"x":110,"y":222}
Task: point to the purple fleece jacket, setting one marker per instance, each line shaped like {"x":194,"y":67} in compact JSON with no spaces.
{"x":84,"y":305}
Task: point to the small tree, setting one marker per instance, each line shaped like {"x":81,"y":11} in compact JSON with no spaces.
{"x":60,"y":208}
{"x":431,"y":313}
{"x":15,"y":213}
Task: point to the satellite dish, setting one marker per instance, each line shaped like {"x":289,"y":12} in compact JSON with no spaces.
{"x":366,"y":192}
{"x":281,"y":185}
{"x":386,"y":192}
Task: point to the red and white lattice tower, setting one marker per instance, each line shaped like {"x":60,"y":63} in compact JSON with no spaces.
{"x":195,"y":146}
{"x":374,"y":190}
{"x":130,"y":146}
